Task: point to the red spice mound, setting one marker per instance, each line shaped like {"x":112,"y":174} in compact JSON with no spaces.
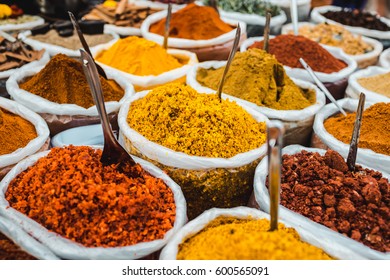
{"x":322,"y":188}
{"x":71,"y":193}
{"x":10,"y":251}
{"x":288,"y":49}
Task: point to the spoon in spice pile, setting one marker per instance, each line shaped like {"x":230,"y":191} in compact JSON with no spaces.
{"x":214,"y":4}
{"x":167,"y":24}
{"x":266,"y":32}
{"x":113,"y":152}
{"x":229,"y":61}
{"x":84,"y":43}
{"x":294,"y":16}
{"x":275,"y":132}
{"x":321,"y":85}
{"x":353,"y":146}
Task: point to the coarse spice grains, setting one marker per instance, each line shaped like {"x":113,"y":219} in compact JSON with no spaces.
{"x":247,"y":239}
{"x":374,"y":130}
{"x":15,"y":132}
{"x":10,"y":251}
{"x":178,"y":117}
{"x":71,"y":193}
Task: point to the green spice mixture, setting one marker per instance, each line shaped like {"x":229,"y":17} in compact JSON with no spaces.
{"x":178,"y":117}
{"x":245,"y":239}
{"x":258,"y":77}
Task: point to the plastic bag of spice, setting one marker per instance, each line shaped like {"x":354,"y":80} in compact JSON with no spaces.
{"x":68,"y":249}
{"x":298,"y":123}
{"x":297,"y":220}
{"x":332,"y":246}
{"x":363,"y":60}
{"x":73,"y":43}
{"x":377,"y":86}
{"x":316,"y":16}
{"x":39,"y":143}
{"x":64,"y":116}
{"x":146,"y":82}
{"x":323,"y":139}
{"x":206,"y":182}
{"x":26,"y":243}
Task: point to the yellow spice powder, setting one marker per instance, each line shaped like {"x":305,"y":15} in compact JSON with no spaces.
{"x":247,"y":239}
{"x":178,"y":117}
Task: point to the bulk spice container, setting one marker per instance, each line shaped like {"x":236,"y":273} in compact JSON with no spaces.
{"x":373,"y":81}
{"x":252,"y":81}
{"x":22,"y":133}
{"x":194,"y":28}
{"x":334,"y":131}
{"x":209,"y":147}
{"x":332,"y":66}
{"x":384,"y":59}
{"x":252,"y":13}
{"x":320,"y":194}
{"x":59,"y":92}
{"x":12,"y":18}
{"x":144,"y":63}
{"x":80,"y":209}
{"x":242,"y":233}
{"x":365,"y":51}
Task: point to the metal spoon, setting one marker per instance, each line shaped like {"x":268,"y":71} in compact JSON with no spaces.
{"x":353,"y":146}
{"x":229,"y":61}
{"x":321,"y":85}
{"x":266,"y":31}
{"x":113,"y":152}
{"x":84,"y":43}
{"x":167,"y":24}
{"x":275,"y":132}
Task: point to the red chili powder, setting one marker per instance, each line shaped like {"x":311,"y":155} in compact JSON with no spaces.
{"x":289,"y":48}
{"x":71,"y":193}
{"x":322,"y":188}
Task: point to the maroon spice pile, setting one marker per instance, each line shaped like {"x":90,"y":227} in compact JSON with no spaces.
{"x":11,"y":251}
{"x":289,"y":48}
{"x":322,"y":188}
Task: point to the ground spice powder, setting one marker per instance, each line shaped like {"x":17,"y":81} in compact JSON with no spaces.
{"x":69,"y":192}
{"x":246,"y":239}
{"x":178,"y":117}
{"x":138,"y":56}
{"x":355,"y":204}
{"x":374,"y":130}
{"x":63,"y":81}
{"x":289,"y":48}
{"x":258,"y":77}
{"x":193,"y":22}
{"x":15,"y":132}
{"x":378,"y":83}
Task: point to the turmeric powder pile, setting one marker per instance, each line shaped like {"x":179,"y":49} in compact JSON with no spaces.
{"x":258,"y":77}
{"x":228,"y":238}
{"x":178,"y":117}
{"x":374,"y":130}
{"x":139,"y":57}
{"x":15,"y":132}
{"x":63,"y":81}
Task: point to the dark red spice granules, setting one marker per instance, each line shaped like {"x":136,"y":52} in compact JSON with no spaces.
{"x":322,"y":188}
{"x":10,"y":251}
{"x":71,"y":193}
{"x":289,"y":48}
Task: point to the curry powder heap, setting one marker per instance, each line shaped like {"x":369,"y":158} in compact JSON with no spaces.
{"x":178,"y":117}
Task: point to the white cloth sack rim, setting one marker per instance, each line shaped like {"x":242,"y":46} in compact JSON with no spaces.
{"x":188,"y":43}
{"x":65,"y":248}
{"x":375,"y":160}
{"x":301,"y":73}
{"x":384,"y":58}
{"x":35,"y":144}
{"x":181,"y":160}
{"x":152,"y":80}
{"x":262,"y":198}
{"x":318,"y":18}
{"x":55,"y":49}
{"x":354,"y":88}
{"x":375,"y":52}
{"x":25,"y":241}
{"x":41,"y":105}
{"x":333,"y":247}
{"x":26,"y":25}
{"x":286,"y":115}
